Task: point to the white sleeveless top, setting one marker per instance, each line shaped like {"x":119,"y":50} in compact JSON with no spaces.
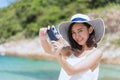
{"x":86,"y":75}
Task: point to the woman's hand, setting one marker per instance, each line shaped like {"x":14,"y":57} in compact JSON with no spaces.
{"x":57,"y":47}
{"x":58,"y":50}
{"x":43,"y":33}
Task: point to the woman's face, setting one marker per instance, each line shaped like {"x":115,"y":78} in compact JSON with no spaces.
{"x":80,"y":33}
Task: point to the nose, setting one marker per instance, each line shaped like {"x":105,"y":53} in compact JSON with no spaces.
{"x":77,"y":36}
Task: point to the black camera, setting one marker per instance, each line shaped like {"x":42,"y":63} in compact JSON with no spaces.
{"x":53,"y":33}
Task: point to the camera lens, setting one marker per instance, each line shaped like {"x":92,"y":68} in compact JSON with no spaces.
{"x":52,"y":28}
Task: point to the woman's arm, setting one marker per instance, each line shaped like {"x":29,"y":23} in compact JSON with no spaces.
{"x":43,"y":38}
{"x":90,"y":61}
{"x":49,"y":47}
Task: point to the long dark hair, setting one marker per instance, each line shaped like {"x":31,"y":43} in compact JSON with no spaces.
{"x":91,"y":42}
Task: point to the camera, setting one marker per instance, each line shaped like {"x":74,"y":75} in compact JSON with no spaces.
{"x":53,"y":33}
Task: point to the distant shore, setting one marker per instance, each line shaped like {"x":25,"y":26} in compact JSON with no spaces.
{"x":33,"y":49}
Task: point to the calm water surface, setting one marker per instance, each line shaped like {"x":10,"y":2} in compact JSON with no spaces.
{"x":14,"y":68}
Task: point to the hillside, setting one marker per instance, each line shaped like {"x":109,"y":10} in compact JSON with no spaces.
{"x":20,"y":23}
{"x":23,"y":18}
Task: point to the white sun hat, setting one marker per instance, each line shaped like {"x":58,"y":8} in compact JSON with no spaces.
{"x":98,"y":26}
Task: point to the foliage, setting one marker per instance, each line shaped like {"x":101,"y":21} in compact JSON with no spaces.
{"x":116,"y":42}
{"x":26,"y":17}
{"x":101,"y":3}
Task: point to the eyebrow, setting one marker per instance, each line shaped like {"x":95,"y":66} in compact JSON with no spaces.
{"x":78,"y":29}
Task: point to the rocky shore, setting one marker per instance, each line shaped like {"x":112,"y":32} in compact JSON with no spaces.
{"x":33,"y":49}
{"x":24,"y":48}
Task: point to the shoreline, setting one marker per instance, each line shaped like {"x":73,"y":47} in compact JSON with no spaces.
{"x":33,"y":49}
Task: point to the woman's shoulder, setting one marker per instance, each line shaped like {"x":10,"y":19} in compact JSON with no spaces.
{"x":95,"y":51}
{"x":66,"y":51}
{"x":98,"y":50}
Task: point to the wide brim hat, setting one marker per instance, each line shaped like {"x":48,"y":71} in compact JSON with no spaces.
{"x":97,"y":24}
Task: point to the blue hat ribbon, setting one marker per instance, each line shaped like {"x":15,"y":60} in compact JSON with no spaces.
{"x":78,"y":19}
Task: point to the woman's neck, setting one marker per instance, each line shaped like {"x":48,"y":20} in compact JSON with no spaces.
{"x":86,"y":48}
{"x":84,"y":51}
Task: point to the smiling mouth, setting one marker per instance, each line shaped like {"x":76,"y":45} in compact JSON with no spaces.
{"x":79,"y":40}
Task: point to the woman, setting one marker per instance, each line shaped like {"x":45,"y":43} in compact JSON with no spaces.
{"x":82,"y":34}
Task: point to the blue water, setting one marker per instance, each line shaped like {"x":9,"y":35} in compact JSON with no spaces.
{"x":109,"y":72}
{"x":16,"y":68}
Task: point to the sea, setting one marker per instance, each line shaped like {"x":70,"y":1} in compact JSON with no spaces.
{"x":21,"y":68}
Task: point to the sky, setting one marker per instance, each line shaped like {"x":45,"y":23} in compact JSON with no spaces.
{"x":5,"y":3}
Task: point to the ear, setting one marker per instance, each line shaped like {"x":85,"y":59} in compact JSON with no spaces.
{"x":90,"y":29}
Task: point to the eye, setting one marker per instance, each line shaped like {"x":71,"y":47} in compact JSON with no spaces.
{"x":73,"y":32}
{"x":80,"y":30}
